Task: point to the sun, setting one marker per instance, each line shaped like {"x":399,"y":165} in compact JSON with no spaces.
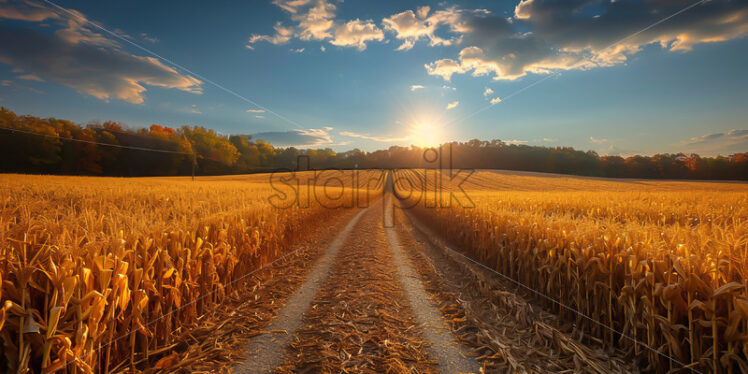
{"x":425,"y":134}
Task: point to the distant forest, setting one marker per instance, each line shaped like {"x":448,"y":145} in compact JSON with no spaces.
{"x":54,"y":146}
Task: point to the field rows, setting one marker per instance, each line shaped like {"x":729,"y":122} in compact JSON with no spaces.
{"x":665,"y":269}
{"x":98,"y":273}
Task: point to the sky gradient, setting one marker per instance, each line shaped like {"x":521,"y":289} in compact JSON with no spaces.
{"x":616,"y":77}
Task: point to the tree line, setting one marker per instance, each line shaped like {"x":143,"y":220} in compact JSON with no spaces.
{"x":31,"y":144}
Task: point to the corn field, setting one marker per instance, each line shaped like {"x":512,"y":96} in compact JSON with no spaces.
{"x":97,"y":273}
{"x":657,"y":269}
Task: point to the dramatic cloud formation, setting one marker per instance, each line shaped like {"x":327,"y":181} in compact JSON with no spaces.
{"x":546,"y":36}
{"x":315,"y":20}
{"x":297,"y":138}
{"x":78,"y":57}
{"x":453,"y":105}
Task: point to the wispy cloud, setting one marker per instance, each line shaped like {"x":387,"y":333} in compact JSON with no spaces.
{"x":304,"y":138}
{"x":30,"y":77}
{"x":598,"y":141}
{"x":704,"y":138}
{"x":452,"y":105}
{"x":297,"y":50}
{"x":255,"y":110}
{"x":384,"y":139}
{"x":488,"y":92}
{"x":733,"y":141}
{"x":515,"y":142}
{"x":148,"y":38}
{"x":732,"y":134}
{"x":415,"y":87}
{"x":495,"y":100}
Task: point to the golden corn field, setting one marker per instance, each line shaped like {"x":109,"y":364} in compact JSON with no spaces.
{"x":109,"y":275}
{"x":659,"y":263}
{"x":97,"y":273}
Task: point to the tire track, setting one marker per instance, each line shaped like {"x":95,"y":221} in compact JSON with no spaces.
{"x":361,"y":321}
{"x":265,"y":351}
{"x":444,"y":348}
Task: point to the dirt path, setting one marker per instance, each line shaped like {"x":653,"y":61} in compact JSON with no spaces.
{"x":361,"y":321}
{"x":265,"y":351}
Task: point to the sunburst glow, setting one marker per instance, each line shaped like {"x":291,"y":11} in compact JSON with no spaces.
{"x":426,"y":134}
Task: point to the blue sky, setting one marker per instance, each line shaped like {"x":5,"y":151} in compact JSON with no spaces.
{"x":372,"y":74}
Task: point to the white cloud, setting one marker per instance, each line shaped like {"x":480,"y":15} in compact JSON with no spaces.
{"x":452,"y":105}
{"x":193,"y":109}
{"x":322,"y":48}
{"x":298,"y":50}
{"x":549,"y":140}
{"x":282,"y":35}
{"x":487,"y":92}
{"x":410,"y":26}
{"x":315,"y":20}
{"x":449,"y":88}
{"x":79,"y":57}
{"x":260,"y":117}
{"x":356,"y":33}
{"x":598,"y":141}
{"x":415,"y":87}
{"x":255,"y":110}
{"x":444,"y":68}
{"x":515,"y":142}
{"x":495,"y":100}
